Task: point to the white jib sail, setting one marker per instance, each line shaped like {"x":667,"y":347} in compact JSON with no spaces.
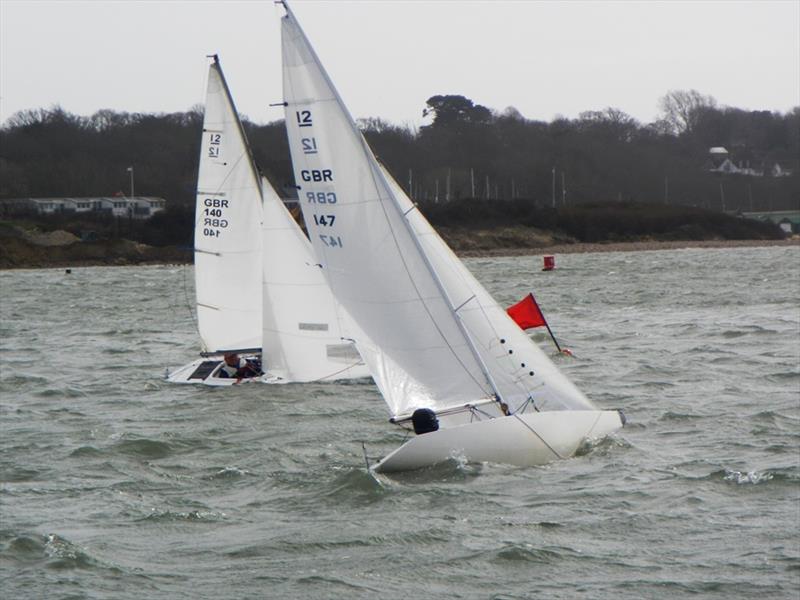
{"x":305,"y":337}
{"x":519,"y":368}
{"x":227,"y":233}
{"x":439,"y":337}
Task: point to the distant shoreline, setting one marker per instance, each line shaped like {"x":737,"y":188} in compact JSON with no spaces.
{"x":641,"y":246}
{"x":124,"y":259}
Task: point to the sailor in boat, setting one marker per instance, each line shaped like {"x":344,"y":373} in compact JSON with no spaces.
{"x":236,"y":367}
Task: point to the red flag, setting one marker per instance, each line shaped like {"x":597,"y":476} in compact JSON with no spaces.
{"x":527,"y":313}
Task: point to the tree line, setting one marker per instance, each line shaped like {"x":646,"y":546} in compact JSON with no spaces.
{"x":468,"y":151}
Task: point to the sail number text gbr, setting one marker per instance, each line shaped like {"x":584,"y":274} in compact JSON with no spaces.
{"x":214,"y":220}
{"x":323,"y":220}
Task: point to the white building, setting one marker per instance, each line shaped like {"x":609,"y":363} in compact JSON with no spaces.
{"x":137,"y":207}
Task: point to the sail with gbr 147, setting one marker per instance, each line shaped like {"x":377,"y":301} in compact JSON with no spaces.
{"x":445,"y":356}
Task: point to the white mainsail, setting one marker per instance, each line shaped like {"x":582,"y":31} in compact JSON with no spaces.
{"x":418,"y":355}
{"x":305,"y":337}
{"x":437,"y":338}
{"x":227,"y":236}
{"x":258,"y":283}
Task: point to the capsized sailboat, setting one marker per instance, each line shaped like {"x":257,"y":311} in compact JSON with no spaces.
{"x":448,"y":360}
{"x":261,"y":295}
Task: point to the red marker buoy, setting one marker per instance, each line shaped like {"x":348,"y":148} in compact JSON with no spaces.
{"x":549,"y":263}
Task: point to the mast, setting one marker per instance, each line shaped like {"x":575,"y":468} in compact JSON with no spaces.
{"x":254,"y":169}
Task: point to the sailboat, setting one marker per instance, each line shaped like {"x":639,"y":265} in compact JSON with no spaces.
{"x":449,"y":362}
{"x":260,"y":291}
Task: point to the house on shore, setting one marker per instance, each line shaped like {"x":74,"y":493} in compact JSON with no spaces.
{"x":719,"y":161}
{"x":136,"y":207}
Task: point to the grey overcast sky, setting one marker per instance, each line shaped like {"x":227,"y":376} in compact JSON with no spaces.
{"x":386,"y":57}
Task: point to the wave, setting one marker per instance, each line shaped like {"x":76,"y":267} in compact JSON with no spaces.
{"x":191,"y":516}
{"x":661,"y":588}
{"x":353,"y":487}
{"x":63,"y":392}
{"x":767,"y":417}
{"x":529,"y":553}
{"x":603,"y":446}
{"x":421,"y":538}
{"x":18,"y":474}
{"x":333,"y":586}
{"x":790,"y":374}
{"x":671,"y":416}
{"x":455,"y":469}
{"x":227,"y":474}
{"x":118,"y":350}
{"x":21,"y":547}
{"x":777,"y":476}
{"x":20,"y":380}
{"x":145,"y":448}
{"x":87,"y":452}
{"x":746,"y":330}
{"x":57,"y":553}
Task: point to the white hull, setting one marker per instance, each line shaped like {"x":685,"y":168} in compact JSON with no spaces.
{"x":205,"y":371}
{"x":525,"y":440}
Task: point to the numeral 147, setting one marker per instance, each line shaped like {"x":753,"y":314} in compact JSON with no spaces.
{"x":324,"y":220}
{"x":332,"y":241}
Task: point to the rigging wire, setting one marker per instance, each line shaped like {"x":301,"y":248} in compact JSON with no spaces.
{"x":512,"y":363}
{"x":335,"y":373}
{"x":189,"y":303}
{"x":446,"y":341}
{"x":533,"y":431}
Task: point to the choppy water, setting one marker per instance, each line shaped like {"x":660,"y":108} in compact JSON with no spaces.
{"x":117,"y":485}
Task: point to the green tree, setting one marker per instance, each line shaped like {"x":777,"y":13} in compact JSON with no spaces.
{"x":453,"y":109}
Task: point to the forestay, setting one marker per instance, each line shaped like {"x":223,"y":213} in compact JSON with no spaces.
{"x":227,"y":236}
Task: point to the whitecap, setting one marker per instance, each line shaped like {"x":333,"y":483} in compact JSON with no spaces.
{"x":754,"y":477}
